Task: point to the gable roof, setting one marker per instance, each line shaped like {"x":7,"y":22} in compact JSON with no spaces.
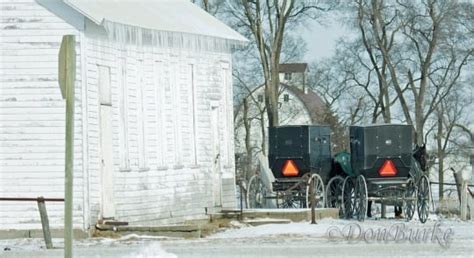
{"x":161,"y":23}
{"x":293,"y":68}
{"x":160,"y":15}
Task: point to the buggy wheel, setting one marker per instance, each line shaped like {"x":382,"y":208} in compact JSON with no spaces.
{"x":348,"y":197}
{"x":409,"y":199}
{"x":423,"y":198}
{"x":319,"y":194}
{"x":361,"y":200}
{"x":289,"y":201}
{"x":334,"y":193}
{"x":256,"y":193}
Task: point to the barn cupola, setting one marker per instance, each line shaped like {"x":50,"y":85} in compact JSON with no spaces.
{"x":295,"y":75}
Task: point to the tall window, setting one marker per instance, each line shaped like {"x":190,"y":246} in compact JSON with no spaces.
{"x":175,"y":85}
{"x":287,"y":76}
{"x":160,"y":113}
{"x":123,"y":119}
{"x":227,"y":112}
{"x":194,"y":110}
{"x":141,"y":116}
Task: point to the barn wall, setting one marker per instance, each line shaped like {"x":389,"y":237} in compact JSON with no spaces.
{"x":293,"y":112}
{"x":162,"y":159}
{"x":32,"y":117}
{"x":297,"y":79}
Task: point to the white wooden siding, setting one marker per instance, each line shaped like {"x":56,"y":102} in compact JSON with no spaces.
{"x":174,"y":188}
{"x":32,"y":116}
{"x":167,"y":113}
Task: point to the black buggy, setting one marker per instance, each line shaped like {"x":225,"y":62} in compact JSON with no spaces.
{"x":384,"y":169}
{"x":298,"y":156}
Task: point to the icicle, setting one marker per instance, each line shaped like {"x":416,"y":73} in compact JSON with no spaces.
{"x":127,"y":34}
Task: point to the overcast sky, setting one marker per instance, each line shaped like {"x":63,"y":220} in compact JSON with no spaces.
{"x":321,"y":39}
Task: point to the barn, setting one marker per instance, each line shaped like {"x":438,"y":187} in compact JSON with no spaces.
{"x":297,"y":103}
{"x":153,"y":113}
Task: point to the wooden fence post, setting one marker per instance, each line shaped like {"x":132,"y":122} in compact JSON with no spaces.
{"x":464,"y":200}
{"x":45,"y":223}
{"x":312,"y":201}
{"x":67,"y":74}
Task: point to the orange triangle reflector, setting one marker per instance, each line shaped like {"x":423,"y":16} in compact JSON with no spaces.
{"x":388,"y":169}
{"x":290,"y":168}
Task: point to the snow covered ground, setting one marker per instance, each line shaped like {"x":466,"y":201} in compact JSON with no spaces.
{"x":451,"y":238}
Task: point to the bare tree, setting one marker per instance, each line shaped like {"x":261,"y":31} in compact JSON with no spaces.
{"x":244,"y":166}
{"x":327,"y":79}
{"x":340,"y":79}
{"x":266,"y":22}
{"x":453,"y":137}
{"x":213,"y":7}
{"x":373,"y":36}
{"x":410,"y":58}
{"x":267,"y":34}
{"x":356,"y":66}
{"x":416,"y":47}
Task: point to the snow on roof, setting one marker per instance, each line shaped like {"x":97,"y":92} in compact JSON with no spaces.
{"x":160,"y":15}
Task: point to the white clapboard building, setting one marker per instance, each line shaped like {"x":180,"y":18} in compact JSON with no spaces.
{"x":153,"y":114}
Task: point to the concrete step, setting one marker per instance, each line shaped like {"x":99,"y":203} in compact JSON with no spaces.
{"x":182,"y":231}
{"x":258,"y":222}
{"x":294,"y":215}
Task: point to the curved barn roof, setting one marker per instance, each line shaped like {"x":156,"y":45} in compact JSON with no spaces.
{"x":313,"y":103}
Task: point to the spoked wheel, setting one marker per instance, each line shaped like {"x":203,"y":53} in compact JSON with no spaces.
{"x":361,"y":198}
{"x":334,"y":193}
{"x":289,"y":200}
{"x":319,"y":194}
{"x":348,"y":197}
{"x":256,"y":193}
{"x":409,"y":199}
{"x":423,"y":198}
